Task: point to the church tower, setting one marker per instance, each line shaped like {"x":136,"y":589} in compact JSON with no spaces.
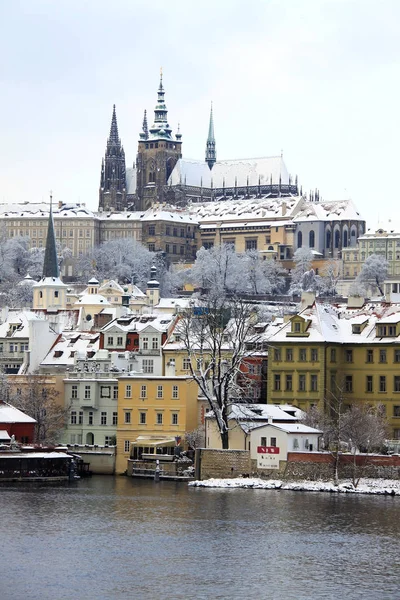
{"x":211,"y":153}
{"x":112,"y":193}
{"x":50,"y":292}
{"x":158,"y":153}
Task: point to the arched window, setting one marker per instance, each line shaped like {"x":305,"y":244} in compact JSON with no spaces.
{"x":337,"y":238}
{"x":311,"y":239}
{"x":345,"y":239}
{"x":151,"y":177}
{"x":328,"y":239}
{"x":299,"y":239}
{"x":353,"y":234}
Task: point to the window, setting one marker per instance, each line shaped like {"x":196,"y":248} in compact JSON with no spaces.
{"x":396,"y":412}
{"x":173,"y":248}
{"x":110,"y":341}
{"x":289,"y":354}
{"x":263,"y":441}
{"x":145,"y":343}
{"x":175,"y":232}
{"x":128,"y":391}
{"x":348,"y":383}
{"x":273,"y":442}
{"x":314,"y":354}
{"x":127,"y":445}
{"x":90,"y":418}
{"x":277,"y":382}
{"x":349,"y":356}
{"x":103,"y":418}
{"x":154,"y":343}
{"x":148,"y":366}
{"x":105,"y":391}
{"x":382,"y":383}
{"x":108,"y":441}
{"x":175,"y":392}
{"x":142,"y":418}
{"x":186,"y":364}
{"x":55,"y":294}
{"x":143,"y":391}
{"x":80,"y":417}
{"x":382,"y":355}
{"x":333,"y":354}
{"x":115,"y":392}
{"x":167,"y":231}
{"x":297,"y":327}
{"x":87,"y":392}
{"x":160,"y":391}
{"x":152,"y":230}
{"x":119,"y":341}
{"x":115,"y":418}
{"x":159,"y":418}
{"x":151,"y":247}
{"x":314,"y":383}
{"x":73,"y":417}
{"x":174,"y":418}
{"x":127,"y":417}
{"x":369,"y":384}
{"x":299,"y":239}
{"x":303,"y":354}
{"x":370,"y":356}
{"x":251,"y":244}
{"x":397,"y":356}
{"x":289,"y":383}
{"x":74,"y":392}
{"x":311,"y":239}
{"x":277,"y":355}
{"x":302,"y":383}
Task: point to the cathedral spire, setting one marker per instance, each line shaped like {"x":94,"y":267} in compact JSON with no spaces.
{"x":211,"y":155}
{"x":145,"y":126}
{"x":114,"y":139}
{"x":160,"y":128}
{"x":50,"y":264}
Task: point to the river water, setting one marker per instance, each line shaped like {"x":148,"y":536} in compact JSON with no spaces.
{"x":117,"y":538}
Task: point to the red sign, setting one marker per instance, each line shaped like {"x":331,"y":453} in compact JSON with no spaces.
{"x":267,"y":450}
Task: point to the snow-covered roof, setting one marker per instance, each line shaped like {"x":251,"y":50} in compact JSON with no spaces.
{"x":240,"y":212}
{"x":333,"y":324}
{"x":291,"y":427}
{"x":10,"y":414}
{"x":17,"y":325}
{"x":228,"y":173}
{"x":335,"y":210}
{"x":92,"y":300}
{"x":69,"y":344}
{"x":127,"y":323}
{"x":42,"y":209}
{"x":110,"y":285}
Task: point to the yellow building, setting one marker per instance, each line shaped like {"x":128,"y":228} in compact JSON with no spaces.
{"x":329,"y":351}
{"x":152,"y":412}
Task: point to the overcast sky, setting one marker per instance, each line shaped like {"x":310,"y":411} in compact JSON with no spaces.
{"x":316,"y":79}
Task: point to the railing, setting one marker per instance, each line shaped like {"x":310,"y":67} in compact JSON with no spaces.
{"x":150,"y":351}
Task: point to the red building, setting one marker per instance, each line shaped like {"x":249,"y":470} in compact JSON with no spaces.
{"x":17,"y":423}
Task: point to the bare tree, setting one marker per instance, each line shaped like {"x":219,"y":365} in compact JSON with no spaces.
{"x":215,"y":335}
{"x":196,"y":438}
{"x":33,"y":395}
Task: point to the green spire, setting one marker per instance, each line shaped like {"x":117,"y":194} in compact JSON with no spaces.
{"x":211,"y":154}
{"x":160,"y":128}
{"x":50,"y":265}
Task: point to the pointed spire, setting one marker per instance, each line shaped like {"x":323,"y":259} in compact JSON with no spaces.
{"x":50,"y":264}
{"x":160,"y":128}
{"x":211,"y":153}
{"x":114,"y":139}
{"x":145,"y":126}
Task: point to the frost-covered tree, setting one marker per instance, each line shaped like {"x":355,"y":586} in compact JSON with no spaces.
{"x":215,"y":337}
{"x":303,"y":260}
{"x":329,"y":278}
{"x":372,"y":275}
{"x":218,"y":269}
{"x":121,"y":259}
{"x":262,"y":276}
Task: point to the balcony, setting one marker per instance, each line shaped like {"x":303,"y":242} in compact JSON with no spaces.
{"x":149,"y":352}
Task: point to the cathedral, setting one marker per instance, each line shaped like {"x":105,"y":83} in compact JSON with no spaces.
{"x":161,"y":176}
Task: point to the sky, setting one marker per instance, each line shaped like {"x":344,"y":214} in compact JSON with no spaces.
{"x":318,"y":80}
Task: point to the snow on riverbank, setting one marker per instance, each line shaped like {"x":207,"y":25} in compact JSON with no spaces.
{"x":384,"y":487}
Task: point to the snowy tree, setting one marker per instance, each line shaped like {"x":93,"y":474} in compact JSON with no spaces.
{"x":373,"y":273}
{"x":303,"y":260}
{"x":330,"y":276}
{"x":218,"y":269}
{"x":263,"y":276}
{"x":196,"y":438}
{"x":215,"y":336}
{"x":121,"y":259}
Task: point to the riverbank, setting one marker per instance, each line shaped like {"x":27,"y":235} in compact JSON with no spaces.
{"x":382,"y":487}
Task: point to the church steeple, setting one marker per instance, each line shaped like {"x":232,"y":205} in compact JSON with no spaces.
{"x":112,"y":193}
{"x":160,"y":128}
{"x":211,"y":154}
{"x":50,"y":264}
{"x":145,"y":133}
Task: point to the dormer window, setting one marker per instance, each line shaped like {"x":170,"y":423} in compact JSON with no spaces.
{"x":387,"y":331}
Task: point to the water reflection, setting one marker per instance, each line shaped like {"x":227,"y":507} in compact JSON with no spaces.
{"x":116,"y":538}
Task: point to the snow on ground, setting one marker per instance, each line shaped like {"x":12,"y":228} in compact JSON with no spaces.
{"x":366,"y":486}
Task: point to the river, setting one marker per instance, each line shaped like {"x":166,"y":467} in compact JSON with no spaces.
{"x":116,"y":538}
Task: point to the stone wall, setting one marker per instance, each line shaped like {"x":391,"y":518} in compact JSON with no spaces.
{"x":222,"y":464}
